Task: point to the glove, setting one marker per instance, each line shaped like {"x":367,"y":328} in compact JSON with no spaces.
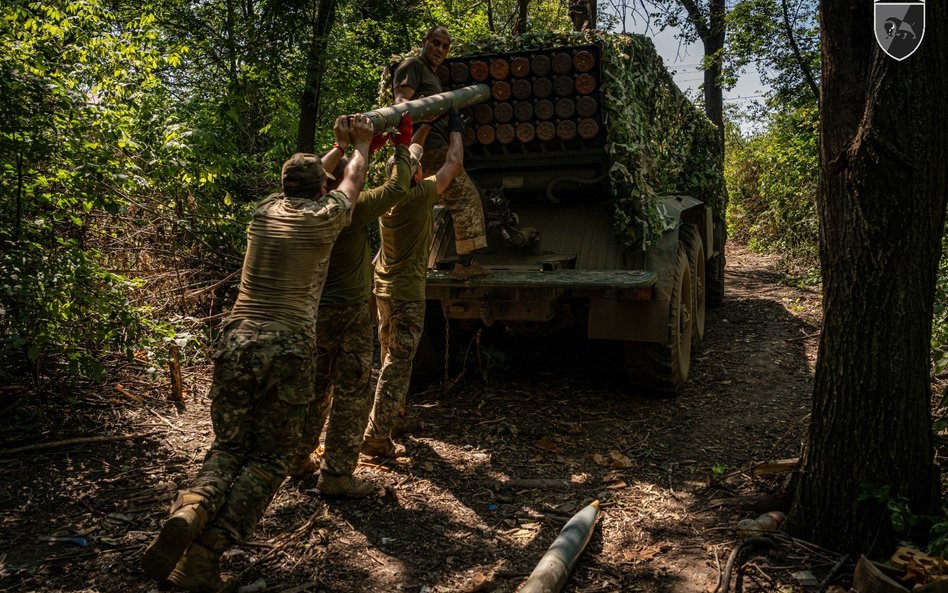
{"x":455,"y":121}
{"x":403,"y":137}
{"x":377,"y":142}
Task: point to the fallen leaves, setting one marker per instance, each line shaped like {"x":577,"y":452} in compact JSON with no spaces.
{"x":613,"y":459}
{"x":645,"y":553}
{"x":547,"y":445}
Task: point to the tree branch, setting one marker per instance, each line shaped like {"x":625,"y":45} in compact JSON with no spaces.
{"x":697,"y":18}
{"x":811,"y":82}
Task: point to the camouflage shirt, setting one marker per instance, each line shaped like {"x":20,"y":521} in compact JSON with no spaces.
{"x":406,"y":231}
{"x":349,"y":279}
{"x":288,"y":246}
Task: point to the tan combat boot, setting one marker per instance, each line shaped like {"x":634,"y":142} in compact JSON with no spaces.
{"x":462,"y":272}
{"x":200,"y":572}
{"x":382,"y":448}
{"x":343,"y":485}
{"x":302,"y":466}
{"x":188,"y":518}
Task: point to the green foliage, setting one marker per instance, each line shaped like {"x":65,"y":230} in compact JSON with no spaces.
{"x":940,"y":320}
{"x":75,"y":76}
{"x":908,"y":525}
{"x":62,"y":312}
{"x":757,"y":34}
{"x":773,"y":178}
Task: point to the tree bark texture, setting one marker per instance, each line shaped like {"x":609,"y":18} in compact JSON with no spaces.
{"x":582,"y":13}
{"x":520,"y":23}
{"x":325,"y":17}
{"x":882,"y":200}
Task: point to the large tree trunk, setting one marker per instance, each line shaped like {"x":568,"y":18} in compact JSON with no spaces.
{"x":582,"y":13}
{"x":711,"y":29}
{"x":520,"y":23}
{"x":325,"y":13}
{"x":883,"y":192}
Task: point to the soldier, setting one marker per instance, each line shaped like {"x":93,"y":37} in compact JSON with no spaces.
{"x":344,"y":341}
{"x":415,"y":78}
{"x":263,"y":371}
{"x":400,"y":274}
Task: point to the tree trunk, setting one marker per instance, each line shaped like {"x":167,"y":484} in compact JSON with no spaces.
{"x":583,"y":14}
{"x":711,"y":28}
{"x":713,"y":42}
{"x":325,"y":17}
{"x":520,"y":23}
{"x":882,"y":200}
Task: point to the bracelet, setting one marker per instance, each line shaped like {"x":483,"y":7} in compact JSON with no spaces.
{"x":341,"y":149}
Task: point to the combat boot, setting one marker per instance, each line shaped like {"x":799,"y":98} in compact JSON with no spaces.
{"x":187,"y":520}
{"x":200,"y":572}
{"x":382,"y":448}
{"x":462,"y":272}
{"x":343,"y":485}
{"x":302,"y":466}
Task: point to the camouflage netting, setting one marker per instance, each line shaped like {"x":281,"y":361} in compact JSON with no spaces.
{"x":659,"y":143}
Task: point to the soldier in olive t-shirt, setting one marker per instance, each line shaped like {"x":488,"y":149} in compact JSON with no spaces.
{"x":344,"y":338}
{"x":416,"y":78}
{"x":400,"y":274}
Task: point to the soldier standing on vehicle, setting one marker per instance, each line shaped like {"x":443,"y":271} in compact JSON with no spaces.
{"x":263,"y":371}
{"x":344,"y":341}
{"x":415,"y":78}
{"x":400,"y":275}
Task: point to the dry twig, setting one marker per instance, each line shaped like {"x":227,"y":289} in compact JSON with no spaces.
{"x":76,"y":441}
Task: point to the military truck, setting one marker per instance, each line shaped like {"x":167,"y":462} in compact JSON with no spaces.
{"x":603,"y":197}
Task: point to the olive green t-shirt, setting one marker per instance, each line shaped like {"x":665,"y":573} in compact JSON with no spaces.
{"x":401,"y":269}
{"x":288,"y":246}
{"x":415,"y":73}
{"x":349,"y":279}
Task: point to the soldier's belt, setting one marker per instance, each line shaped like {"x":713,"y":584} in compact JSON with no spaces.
{"x":260,"y":326}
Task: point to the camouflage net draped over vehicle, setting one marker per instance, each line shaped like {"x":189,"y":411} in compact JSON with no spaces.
{"x":658,"y":142}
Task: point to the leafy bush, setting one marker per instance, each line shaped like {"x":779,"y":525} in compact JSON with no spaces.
{"x":61,"y":312}
{"x":75,"y":74}
{"x":940,"y":321}
{"x":773,"y":179}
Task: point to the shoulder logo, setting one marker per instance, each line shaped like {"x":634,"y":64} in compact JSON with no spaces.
{"x":899,"y":27}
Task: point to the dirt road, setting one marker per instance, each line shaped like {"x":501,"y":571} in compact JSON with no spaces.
{"x":668,"y":472}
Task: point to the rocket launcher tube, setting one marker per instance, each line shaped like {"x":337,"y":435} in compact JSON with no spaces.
{"x":427,"y":107}
{"x":551,"y":573}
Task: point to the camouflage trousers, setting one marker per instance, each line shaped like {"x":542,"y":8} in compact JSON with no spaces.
{"x":344,"y":348}
{"x":463,"y":200}
{"x":263,"y":384}
{"x":400,"y":327}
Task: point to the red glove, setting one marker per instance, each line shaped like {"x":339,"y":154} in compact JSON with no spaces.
{"x":377,"y":142}
{"x":403,"y":137}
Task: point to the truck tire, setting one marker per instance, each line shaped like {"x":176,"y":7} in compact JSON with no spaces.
{"x":714,"y":287}
{"x":662,"y":369}
{"x":694,"y":246}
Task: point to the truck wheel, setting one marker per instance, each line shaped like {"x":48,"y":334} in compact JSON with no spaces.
{"x":662,"y":369}
{"x":694,"y":246}
{"x":715,"y":274}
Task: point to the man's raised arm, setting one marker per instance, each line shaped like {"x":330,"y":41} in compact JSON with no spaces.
{"x":454,"y":160}
{"x":354,"y":177}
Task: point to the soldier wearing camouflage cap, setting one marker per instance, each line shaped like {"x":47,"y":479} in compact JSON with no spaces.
{"x":263,"y":370}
